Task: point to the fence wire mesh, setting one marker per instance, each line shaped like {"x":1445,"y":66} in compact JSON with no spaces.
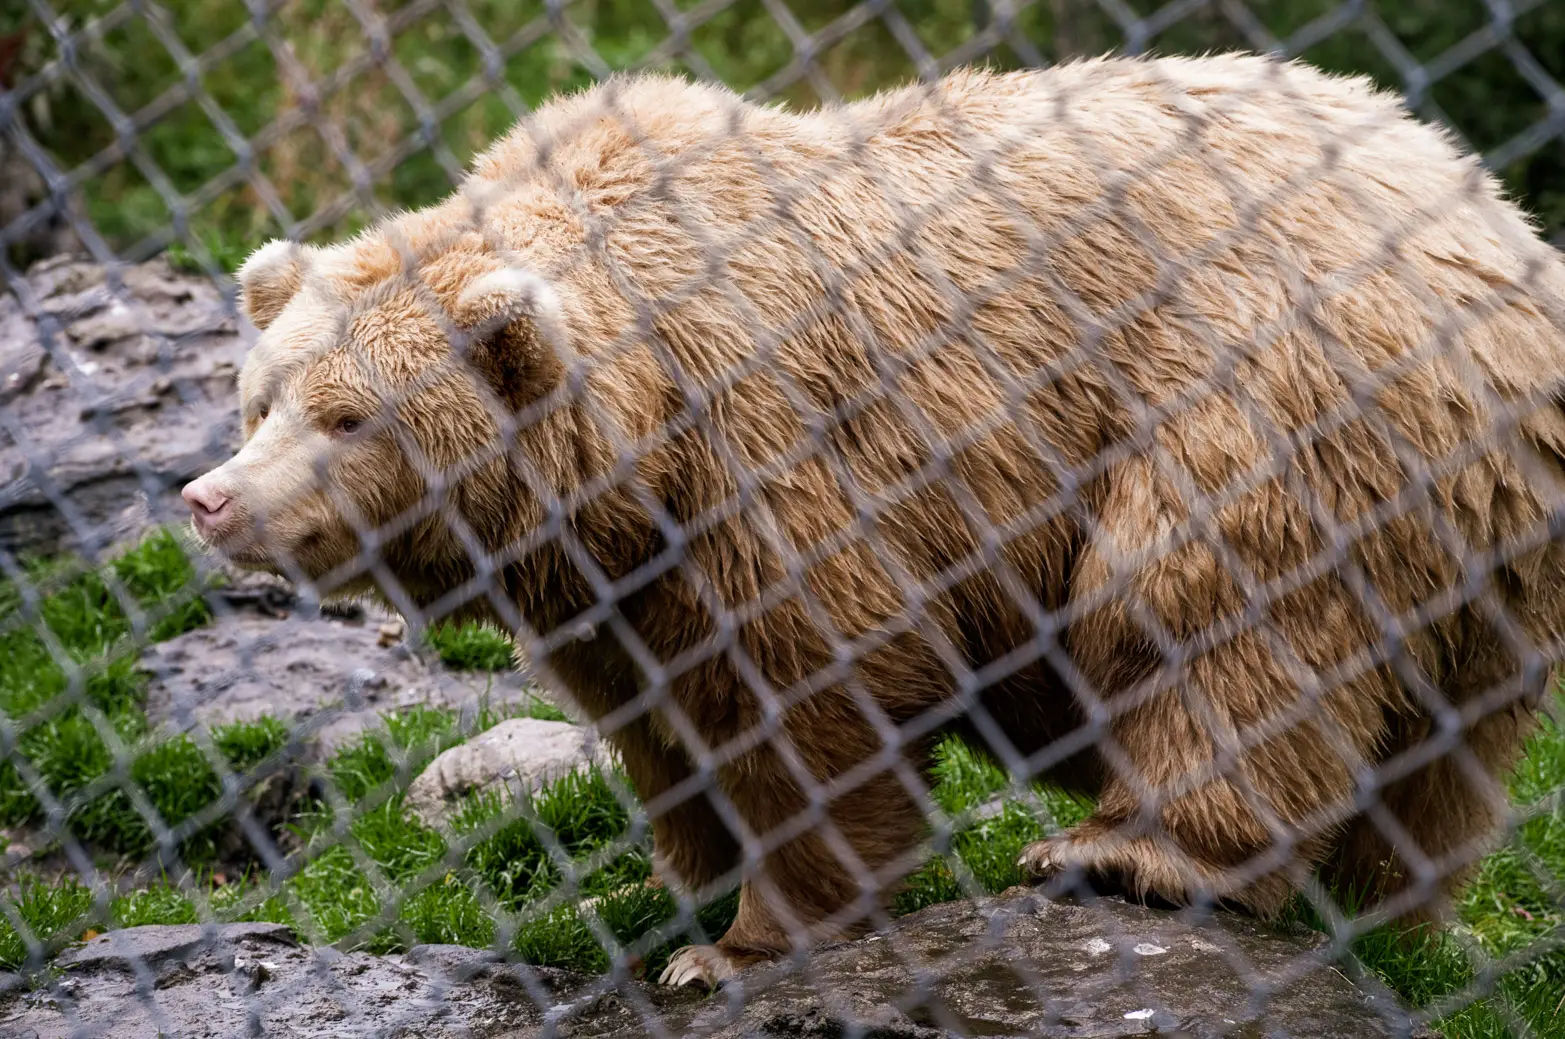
{"x":1008,"y":493}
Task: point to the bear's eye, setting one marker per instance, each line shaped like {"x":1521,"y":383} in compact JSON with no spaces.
{"x":262,"y":411}
{"x":349,"y":426}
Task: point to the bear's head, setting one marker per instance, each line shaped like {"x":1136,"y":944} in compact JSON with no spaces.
{"x":375,"y":404}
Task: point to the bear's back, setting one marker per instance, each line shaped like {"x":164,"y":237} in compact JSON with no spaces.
{"x":1228,"y":295}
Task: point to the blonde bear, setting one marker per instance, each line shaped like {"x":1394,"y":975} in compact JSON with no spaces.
{"x":1183,"y":431}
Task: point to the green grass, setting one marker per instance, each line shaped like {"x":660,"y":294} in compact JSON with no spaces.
{"x":67,"y":681}
{"x":983,"y":852}
{"x":509,"y":876}
{"x":372,"y":877}
{"x":92,"y":622}
{"x":51,"y":912}
{"x":1515,"y":904}
{"x":470,"y":647}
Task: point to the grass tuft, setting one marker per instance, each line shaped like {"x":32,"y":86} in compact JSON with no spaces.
{"x":470,"y":647}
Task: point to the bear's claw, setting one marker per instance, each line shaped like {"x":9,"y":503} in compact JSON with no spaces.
{"x":704,"y":965}
{"x":1040,"y":860}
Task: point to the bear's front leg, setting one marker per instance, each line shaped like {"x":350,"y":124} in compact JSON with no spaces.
{"x":755,"y":937}
{"x":825,"y":869}
{"x":692,"y":846}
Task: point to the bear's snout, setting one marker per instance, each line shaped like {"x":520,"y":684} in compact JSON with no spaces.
{"x":211,"y":506}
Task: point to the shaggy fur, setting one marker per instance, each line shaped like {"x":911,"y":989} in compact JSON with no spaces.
{"x":1194,"y":418}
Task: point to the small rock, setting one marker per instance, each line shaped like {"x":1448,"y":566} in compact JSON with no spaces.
{"x":268,"y":594}
{"x":17,"y":846}
{"x":392,"y":632}
{"x":250,"y":974}
{"x":452,"y":963}
{"x":157,"y":281}
{"x":155,"y":944}
{"x":108,"y":326}
{"x":21,"y":354}
{"x":520,"y":754}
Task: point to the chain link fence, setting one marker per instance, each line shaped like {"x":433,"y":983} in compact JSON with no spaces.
{"x":918,"y":521}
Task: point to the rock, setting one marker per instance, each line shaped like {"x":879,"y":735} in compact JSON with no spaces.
{"x":1012,"y":966}
{"x":115,"y":398}
{"x":519,"y":755}
{"x":135,"y":947}
{"x":250,"y":979}
{"x":391,"y":632}
{"x":1022,"y":965}
{"x":21,"y":354}
{"x":267,"y":594}
{"x":330,"y":678}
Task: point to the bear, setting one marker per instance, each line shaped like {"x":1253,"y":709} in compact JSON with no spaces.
{"x":1186,"y":432}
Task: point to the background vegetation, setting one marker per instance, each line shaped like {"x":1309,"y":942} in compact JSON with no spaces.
{"x":184,"y":122}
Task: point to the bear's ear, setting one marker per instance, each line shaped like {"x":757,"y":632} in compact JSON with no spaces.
{"x":518,"y":300}
{"x":270,"y":278}
{"x":501,"y":298}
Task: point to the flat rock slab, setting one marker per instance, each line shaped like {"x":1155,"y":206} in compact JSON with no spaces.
{"x":1011,"y":966}
{"x":135,"y":948}
{"x":329,"y":678}
{"x":1024,"y":966}
{"x":238,"y":980}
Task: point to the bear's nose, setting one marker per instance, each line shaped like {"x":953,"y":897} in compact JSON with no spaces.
{"x":209,"y":504}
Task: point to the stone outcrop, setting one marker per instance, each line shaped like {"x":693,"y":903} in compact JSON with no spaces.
{"x":329,"y":677}
{"x":116,"y":391}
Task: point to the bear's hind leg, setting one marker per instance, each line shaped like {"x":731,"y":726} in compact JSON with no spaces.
{"x":1231,"y":750}
{"x":1146,"y":868}
{"x":1227,"y":785}
{"x":1452,"y":809}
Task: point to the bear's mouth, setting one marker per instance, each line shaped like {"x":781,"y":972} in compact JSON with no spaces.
{"x":251,"y":558}
{"x":288,"y":558}
{"x":245,"y":553}
{"x":247,"y":557}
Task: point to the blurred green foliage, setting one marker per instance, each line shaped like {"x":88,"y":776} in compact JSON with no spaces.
{"x":314,"y":103}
